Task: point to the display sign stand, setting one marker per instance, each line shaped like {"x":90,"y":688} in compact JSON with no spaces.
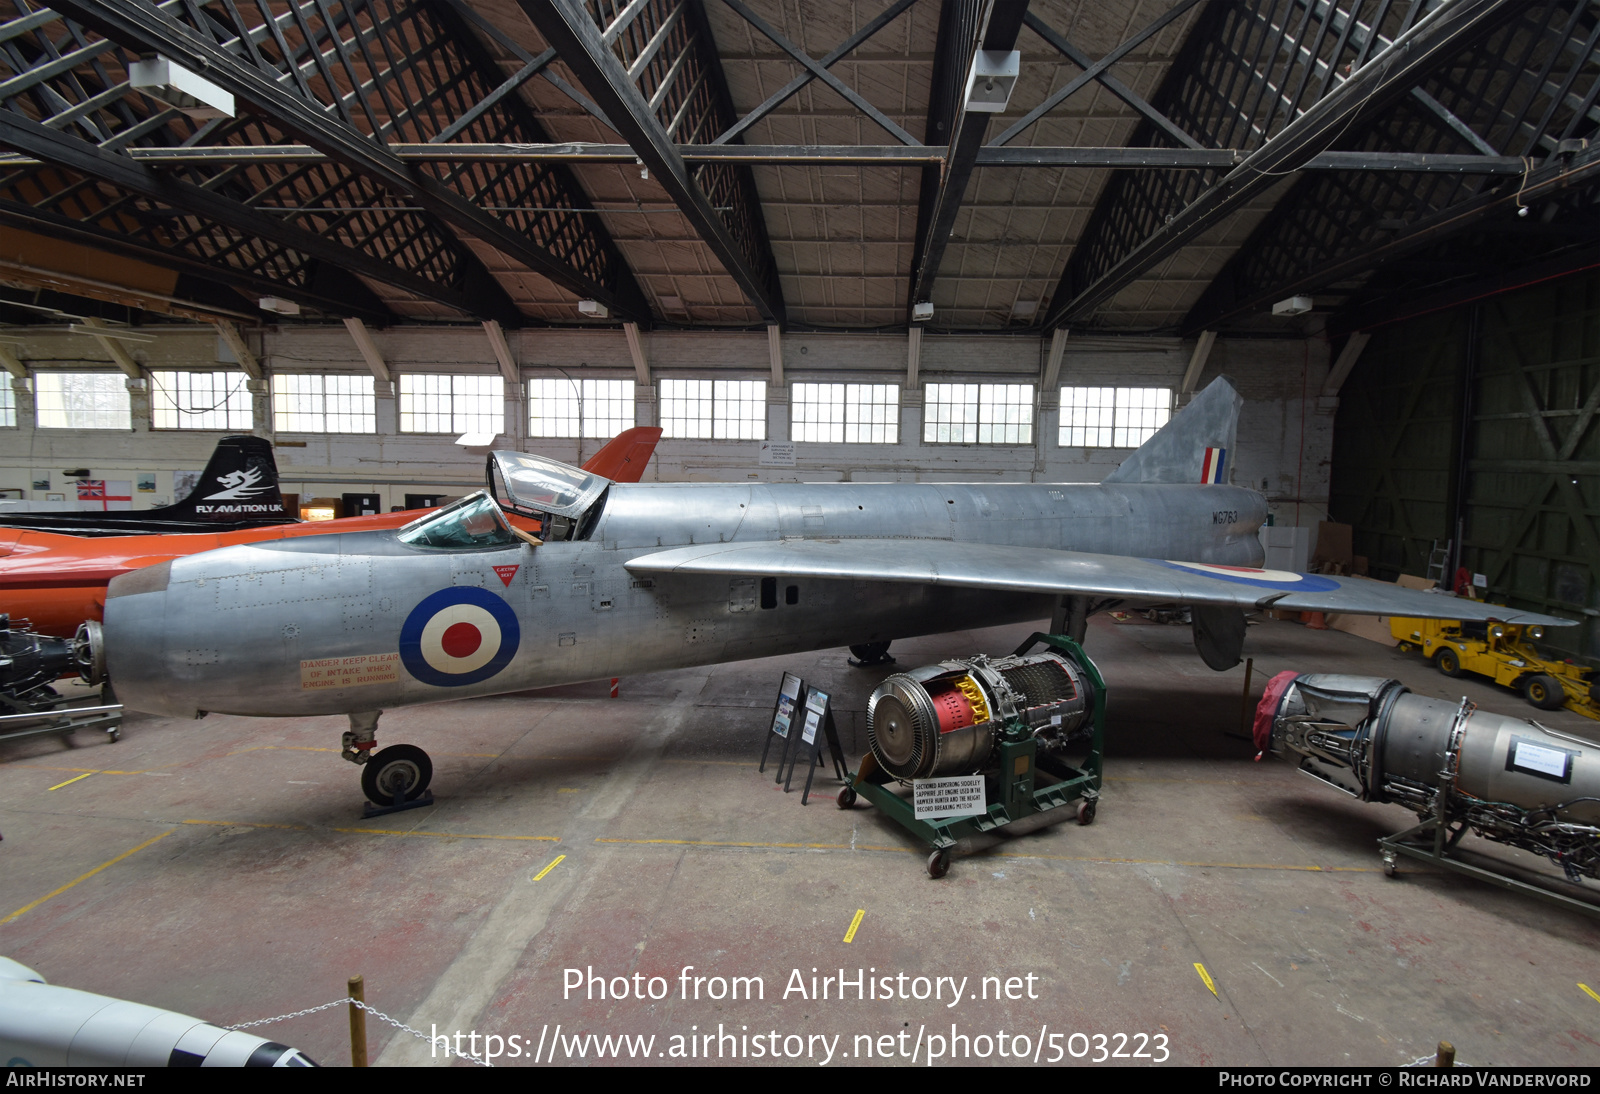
{"x":791,"y":693}
{"x":817,"y":731}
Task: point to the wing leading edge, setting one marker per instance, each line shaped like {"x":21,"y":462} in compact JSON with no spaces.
{"x":1040,"y":570}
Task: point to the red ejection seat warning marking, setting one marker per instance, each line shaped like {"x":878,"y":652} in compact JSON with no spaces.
{"x":506,"y":574}
{"x":349,"y":672}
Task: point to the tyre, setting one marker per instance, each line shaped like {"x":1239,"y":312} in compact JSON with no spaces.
{"x":1086,"y":813}
{"x":939,"y":863}
{"x":846,"y":798}
{"x":1544,"y":692}
{"x":871,"y":653}
{"x":1448,"y":662}
{"x":396,"y":768}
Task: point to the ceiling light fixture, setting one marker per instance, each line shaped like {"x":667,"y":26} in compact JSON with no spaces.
{"x":170,"y":83}
{"x":993,"y":75}
{"x":1295,"y":305}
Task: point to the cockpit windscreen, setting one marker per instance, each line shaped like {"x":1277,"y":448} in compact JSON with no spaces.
{"x":474,"y":521}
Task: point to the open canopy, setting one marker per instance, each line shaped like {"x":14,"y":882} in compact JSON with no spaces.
{"x":534,"y":484}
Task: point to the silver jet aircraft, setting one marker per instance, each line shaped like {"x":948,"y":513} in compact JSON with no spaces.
{"x":633,"y":578}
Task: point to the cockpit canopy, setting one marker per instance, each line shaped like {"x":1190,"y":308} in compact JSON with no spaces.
{"x":563,"y":496}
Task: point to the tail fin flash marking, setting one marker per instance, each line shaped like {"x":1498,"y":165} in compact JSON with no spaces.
{"x":1212,"y":470}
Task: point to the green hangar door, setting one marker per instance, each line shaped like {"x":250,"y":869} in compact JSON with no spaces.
{"x":1482,"y":419}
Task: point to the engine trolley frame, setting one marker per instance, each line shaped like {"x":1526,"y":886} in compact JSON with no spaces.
{"x":1434,"y":841}
{"x":1014,"y":791}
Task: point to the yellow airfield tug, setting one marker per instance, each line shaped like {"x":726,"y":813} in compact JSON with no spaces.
{"x":1505,"y":653}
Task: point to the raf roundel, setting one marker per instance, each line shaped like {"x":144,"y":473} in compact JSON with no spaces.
{"x":459,"y":636}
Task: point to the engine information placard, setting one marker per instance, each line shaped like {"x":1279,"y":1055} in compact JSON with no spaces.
{"x":959,"y":796}
{"x":349,"y":672}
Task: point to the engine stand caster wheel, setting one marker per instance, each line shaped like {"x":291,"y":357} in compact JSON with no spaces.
{"x":939,"y":863}
{"x":114,"y":734}
{"x":1086,"y":813}
{"x":395,"y":772}
{"x":847,"y":797}
{"x":1390,"y":870}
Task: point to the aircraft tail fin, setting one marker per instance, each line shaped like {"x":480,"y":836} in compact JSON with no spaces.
{"x":623,"y":457}
{"x":240,"y":483}
{"x":1197,"y":445}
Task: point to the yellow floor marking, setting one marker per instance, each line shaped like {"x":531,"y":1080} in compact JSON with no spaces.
{"x":850,"y":935}
{"x":1205,"y":978}
{"x":1587,"y":990}
{"x":373,"y":831}
{"x":553,"y":864}
{"x":87,"y":770}
{"x":72,"y":780}
{"x":26,"y":908}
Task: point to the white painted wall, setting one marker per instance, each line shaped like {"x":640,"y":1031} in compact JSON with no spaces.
{"x":1284,"y":449}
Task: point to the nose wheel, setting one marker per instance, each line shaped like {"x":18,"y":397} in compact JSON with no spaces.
{"x":397,"y":778}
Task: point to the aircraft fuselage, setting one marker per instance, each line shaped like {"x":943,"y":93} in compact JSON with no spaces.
{"x":362,"y":621}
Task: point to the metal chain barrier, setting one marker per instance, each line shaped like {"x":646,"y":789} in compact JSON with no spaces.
{"x":347,"y":1000}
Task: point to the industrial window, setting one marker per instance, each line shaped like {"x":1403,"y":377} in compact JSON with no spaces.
{"x":718,"y":409}
{"x":847,"y":413}
{"x":437,"y":403}
{"x":1112,"y":417}
{"x":82,"y":400}
{"x":332,"y":403}
{"x":200,"y":400}
{"x":8,"y":405}
{"x":978,"y":414}
{"x":558,"y":407}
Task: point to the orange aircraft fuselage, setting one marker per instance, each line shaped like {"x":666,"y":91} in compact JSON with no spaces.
{"x":54,"y":582}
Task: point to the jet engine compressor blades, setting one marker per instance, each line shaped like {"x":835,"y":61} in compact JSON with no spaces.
{"x":945,"y":719}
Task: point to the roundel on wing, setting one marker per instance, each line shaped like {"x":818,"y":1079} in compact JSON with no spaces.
{"x":459,"y":636}
{"x":1284,"y":581}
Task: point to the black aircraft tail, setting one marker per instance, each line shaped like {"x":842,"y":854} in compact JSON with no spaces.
{"x":238,"y":489}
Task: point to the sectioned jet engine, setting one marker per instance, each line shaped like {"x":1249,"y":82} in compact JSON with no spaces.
{"x":30,"y":662}
{"x":1508,"y":780}
{"x":945,"y":719}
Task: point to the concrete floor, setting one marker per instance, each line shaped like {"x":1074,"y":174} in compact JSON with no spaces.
{"x":237,"y":880}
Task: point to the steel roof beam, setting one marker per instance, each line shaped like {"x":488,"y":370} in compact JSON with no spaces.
{"x":85,"y":159}
{"x":996,"y":29}
{"x":1100,"y":71}
{"x":352,"y":297}
{"x":790,"y":89}
{"x":145,"y":28}
{"x":572,"y":31}
{"x":865,"y":155}
{"x":1390,"y":73}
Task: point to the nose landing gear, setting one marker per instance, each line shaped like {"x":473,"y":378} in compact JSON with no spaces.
{"x":393,"y":778}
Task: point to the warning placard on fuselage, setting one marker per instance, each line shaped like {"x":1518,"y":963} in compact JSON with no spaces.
{"x":349,"y":672}
{"x":958,"y":796}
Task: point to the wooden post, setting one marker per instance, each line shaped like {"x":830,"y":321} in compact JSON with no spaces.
{"x":358,"y":1023}
{"x":1446,"y":1056}
{"x":1244,"y":701}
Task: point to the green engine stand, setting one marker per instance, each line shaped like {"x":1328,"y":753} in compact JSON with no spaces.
{"x":1023,"y":784}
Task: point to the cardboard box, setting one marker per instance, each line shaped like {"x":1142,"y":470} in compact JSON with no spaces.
{"x":1334,"y":544}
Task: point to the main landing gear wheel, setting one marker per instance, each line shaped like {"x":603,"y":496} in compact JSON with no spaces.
{"x":871,"y":653}
{"x":846,"y":798}
{"x":396,"y":769}
{"x":1086,"y":813}
{"x":939,"y":863}
{"x":1447,"y":662}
